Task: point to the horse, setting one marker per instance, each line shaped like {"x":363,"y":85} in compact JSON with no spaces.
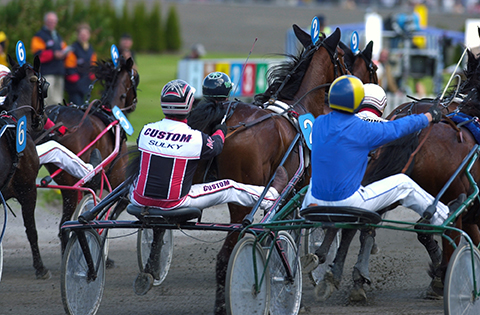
{"x":25,"y":89}
{"x":361,"y":64}
{"x":251,"y":154}
{"x":120,"y":89}
{"x":431,"y":169}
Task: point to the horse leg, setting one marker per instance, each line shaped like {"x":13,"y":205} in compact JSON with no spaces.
{"x":361,"y":274}
{"x":332,"y":278}
{"x":436,"y":271}
{"x":322,"y":251}
{"x":28,"y":213}
{"x":153,"y":264}
{"x":69,"y":203}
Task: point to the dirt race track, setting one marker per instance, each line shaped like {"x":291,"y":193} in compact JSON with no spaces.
{"x":398,"y":273}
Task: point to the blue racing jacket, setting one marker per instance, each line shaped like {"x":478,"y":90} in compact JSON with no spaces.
{"x":340,"y":146}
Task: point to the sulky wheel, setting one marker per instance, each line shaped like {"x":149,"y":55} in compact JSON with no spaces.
{"x":459,"y":282}
{"x":242,"y":296}
{"x":285,"y":292}
{"x":81,"y":295}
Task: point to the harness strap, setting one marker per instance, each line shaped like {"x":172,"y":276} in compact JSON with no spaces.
{"x":47,"y":131}
{"x":235,"y":128}
{"x":410,"y":159}
{"x":75,"y":128}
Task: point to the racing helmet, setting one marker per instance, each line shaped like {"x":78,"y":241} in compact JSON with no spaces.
{"x":346,"y":94}
{"x":375,"y":97}
{"x":4,"y":71}
{"x":177,"y":98}
{"x":217,"y":85}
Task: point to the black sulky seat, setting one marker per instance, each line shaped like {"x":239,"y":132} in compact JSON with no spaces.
{"x":340,"y":214}
{"x":155,"y":215}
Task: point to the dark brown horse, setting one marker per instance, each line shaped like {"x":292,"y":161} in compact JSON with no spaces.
{"x":25,"y":89}
{"x":251,"y":154}
{"x":120,"y":89}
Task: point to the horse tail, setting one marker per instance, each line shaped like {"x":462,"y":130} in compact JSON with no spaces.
{"x":206,"y":115}
{"x":392,"y":159}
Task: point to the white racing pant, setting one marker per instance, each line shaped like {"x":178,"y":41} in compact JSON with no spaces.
{"x":55,"y":153}
{"x":384,"y":193}
{"x":222,"y":191}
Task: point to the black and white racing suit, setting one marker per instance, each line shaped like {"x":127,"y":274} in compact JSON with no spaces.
{"x":170,"y":153}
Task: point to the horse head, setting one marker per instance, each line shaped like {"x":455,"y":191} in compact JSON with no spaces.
{"x":25,"y":89}
{"x":120,"y":83}
{"x":361,"y":64}
{"x":326,"y":58}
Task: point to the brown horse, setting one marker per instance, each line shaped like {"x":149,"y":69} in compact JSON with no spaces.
{"x":120,"y":89}
{"x":25,"y":89}
{"x":252,"y":153}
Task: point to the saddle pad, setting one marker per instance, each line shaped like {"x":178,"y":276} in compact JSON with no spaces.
{"x":473,"y":126}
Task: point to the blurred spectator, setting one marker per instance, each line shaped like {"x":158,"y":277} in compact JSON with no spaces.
{"x":323,"y":25}
{"x":386,"y":78}
{"x":196,"y":52}
{"x":77,"y":65}
{"x":3,"y":49}
{"x":125,"y":49}
{"x":52,"y":50}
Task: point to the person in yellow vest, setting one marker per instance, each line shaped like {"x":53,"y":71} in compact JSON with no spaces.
{"x":3,"y":49}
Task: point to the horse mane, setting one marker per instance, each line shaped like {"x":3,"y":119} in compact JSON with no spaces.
{"x":105,"y":70}
{"x":15,"y":86}
{"x":277,"y":74}
{"x":205,"y":115}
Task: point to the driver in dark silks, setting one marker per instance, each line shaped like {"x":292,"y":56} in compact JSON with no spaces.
{"x":169,"y":154}
{"x":341,"y":142}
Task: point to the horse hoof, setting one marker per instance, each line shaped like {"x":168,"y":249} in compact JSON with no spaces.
{"x":143,"y":283}
{"x":309,"y":262}
{"x":43,"y":275}
{"x":358,"y":295}
{"x":435,"y":289}
{"x":375,"y":250}
{"x":110,"y":263}
{"x":325,"y":288}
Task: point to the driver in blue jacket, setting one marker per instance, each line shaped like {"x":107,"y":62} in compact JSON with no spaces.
{"x":341,"y":142}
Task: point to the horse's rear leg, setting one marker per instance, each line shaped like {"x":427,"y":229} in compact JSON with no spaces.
{"x":322,"y":251}
{"x":361,"y":274}
{"x":70,"y":200}
{"x":28,"y":214}
{"x":332,"y":279}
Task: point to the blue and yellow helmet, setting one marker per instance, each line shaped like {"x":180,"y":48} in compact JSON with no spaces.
{"x":346,"y":94}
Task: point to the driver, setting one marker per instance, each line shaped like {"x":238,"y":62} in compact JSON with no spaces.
{"x":170,"y":153}
{"x":341,"y":142}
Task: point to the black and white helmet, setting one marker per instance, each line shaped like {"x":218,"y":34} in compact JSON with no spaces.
{"x":217,"y":85}
{"x":177,"y":98}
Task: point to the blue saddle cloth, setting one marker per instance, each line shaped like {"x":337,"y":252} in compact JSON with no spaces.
{"x":473,"y":125}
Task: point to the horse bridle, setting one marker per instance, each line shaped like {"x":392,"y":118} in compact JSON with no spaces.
{"x":133,"y":82}
{"x":39,"y":111}
{"x":370,"y":67}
